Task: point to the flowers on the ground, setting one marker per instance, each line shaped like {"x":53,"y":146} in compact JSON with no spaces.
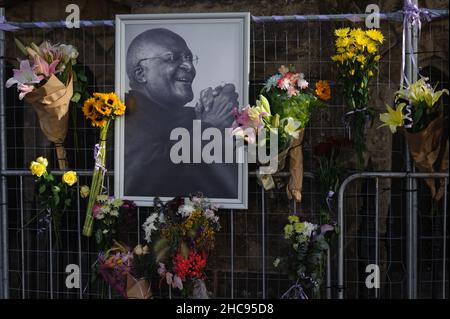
{"x":184,"y":237}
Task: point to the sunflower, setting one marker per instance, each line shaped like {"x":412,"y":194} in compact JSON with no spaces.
{"x":89,"y":109}
{"x":323,"y":90}
{"x":375,"y":35}
{"x":99,"y":121}
{"x":120,"y":108}
{"x":111,"y":99}
{"x":102,"y":108}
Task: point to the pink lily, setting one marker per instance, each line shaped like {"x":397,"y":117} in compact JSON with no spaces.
{"x":42,"y":67}
{"x":24,"y":89}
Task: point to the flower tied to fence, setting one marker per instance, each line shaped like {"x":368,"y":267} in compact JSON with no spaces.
{"x":101,"y":109}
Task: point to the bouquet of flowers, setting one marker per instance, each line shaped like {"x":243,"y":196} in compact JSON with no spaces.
{"x":128,"y":272}
{"x":305,"y":264}
{"x":55,"y":196}
{"x":100,"y":109}
{"x":186,"y":233}
{"x":45,"y":80}
{"x":418,"y":112}
{"x":357,"y":60}
{"x":284,"y":107}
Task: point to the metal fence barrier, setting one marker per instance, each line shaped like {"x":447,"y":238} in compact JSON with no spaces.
{"x":411,"y":233}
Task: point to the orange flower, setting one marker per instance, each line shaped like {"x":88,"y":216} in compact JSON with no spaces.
{"x":323,"y":90}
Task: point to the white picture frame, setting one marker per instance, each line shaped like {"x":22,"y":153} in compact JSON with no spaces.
{"x":222,"y":43}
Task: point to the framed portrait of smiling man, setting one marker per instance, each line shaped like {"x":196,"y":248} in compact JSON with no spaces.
{"x":181,"y":76}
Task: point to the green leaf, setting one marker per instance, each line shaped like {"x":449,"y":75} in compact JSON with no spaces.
{"x":56,"y":200}
{"x":82,"y":76}
{"x":42,"y":188}
{"x":67,"y":202}
{"x":98,"y":236}
{"x":76,"y":97}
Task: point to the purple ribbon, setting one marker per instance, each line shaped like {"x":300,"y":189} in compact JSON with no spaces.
{"x":98,"y":161}
{"x":295,"y":292}
{"x":329,"y":198}
{"x":4,"y":26}
{"x":412,"y":17}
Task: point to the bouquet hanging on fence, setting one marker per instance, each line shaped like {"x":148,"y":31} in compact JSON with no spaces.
{"x":45,"y":79}
{"x":100,"y":109}
{"x":306,"y":264}
{"x":284,"y":107}
{"x":55,"y":195}
{"x":418,"y":112}
{"x":357,"y":60}
{"x":185,"y":234}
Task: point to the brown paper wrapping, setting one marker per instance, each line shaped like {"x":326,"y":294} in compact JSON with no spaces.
{"x":294,"y":187}
{"x":51,"y":103}
{"x":138,"y":288}
{"x":425,"y":147}
{"x":266,"y":180}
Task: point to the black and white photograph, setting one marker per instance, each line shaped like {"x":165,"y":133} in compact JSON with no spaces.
{"x":180,"y":73}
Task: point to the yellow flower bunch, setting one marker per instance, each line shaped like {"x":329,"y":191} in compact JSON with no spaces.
{"x":102,"y":107}
{"x":356,"y":44}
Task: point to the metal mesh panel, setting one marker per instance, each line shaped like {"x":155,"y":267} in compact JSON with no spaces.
{"x":249,"y":241}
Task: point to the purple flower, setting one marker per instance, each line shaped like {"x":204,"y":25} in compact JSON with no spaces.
{"x":326,"y":228}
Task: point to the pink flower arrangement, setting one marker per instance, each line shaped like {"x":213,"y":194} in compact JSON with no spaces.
{"x":42,"y":62}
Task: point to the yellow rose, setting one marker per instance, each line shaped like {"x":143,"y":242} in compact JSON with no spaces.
{"x":42,"y":160}
{"x":37,"y":169}
{"x":84,"y":191}
{"x":70,"y":178}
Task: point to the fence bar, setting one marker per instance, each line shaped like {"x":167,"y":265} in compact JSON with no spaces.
{"x":341,"y":218}
{"x":232,"y":251}
{"x":328,"y":288}
{"x":22,"y":238}
{"x":444,"y":252}
{"x":411,"y":70}
{"x":4,"y":293}
{"x":377,"y":236}
{"x":263,"y":235}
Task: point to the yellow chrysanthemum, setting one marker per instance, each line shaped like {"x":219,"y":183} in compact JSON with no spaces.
{"x":361,"y":58}
{"x":338,"y":58}
{"x":375,"y":35}
{"x":349,"y":55}
{"x":357,"y":32}
{"x":361,"y":40}
{"x":323,"y":90}
{"x":371,"y":48}
{"x":370,"y":73}
{"x":342,"y":32}
{"x":377,"y":58}
{"x":342,"y":42}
